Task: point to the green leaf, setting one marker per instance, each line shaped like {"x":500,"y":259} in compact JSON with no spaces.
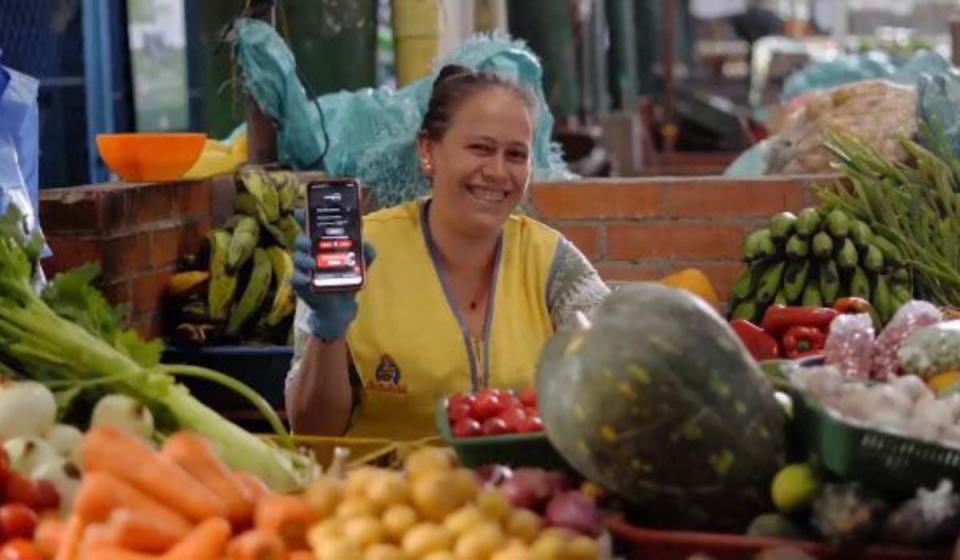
{"x":72,"y":296}
{"x":145,"y":353}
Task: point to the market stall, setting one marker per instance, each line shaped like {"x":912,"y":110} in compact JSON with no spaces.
{"x":773,"y":375}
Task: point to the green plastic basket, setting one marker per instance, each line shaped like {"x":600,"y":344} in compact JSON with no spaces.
{"x":897,"y":463}
{"x":513,"y":450}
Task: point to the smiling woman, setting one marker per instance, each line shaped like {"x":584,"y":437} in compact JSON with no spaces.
{"x":464,"y":292}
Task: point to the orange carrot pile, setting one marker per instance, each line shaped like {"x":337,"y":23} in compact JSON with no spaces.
{"x":178,"y":503}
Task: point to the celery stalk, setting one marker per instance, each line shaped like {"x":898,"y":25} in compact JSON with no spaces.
{"x":44,"y":346}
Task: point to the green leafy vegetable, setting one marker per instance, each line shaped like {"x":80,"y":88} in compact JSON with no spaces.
{"x":71,"y":339}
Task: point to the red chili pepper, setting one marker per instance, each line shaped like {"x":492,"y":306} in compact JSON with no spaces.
{"x":761,"y":345}
{"x":779,"y":318}
{"x":800,"y":341}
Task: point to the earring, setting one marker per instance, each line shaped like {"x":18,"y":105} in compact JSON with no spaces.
{"x":427,"y":166}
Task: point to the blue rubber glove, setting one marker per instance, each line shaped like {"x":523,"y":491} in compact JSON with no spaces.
{"x":330,"y":312}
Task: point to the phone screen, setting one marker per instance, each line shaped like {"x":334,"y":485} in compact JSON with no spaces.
{"x":333,"y":226}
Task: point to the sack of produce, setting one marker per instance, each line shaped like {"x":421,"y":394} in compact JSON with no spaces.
{"x":874,"y":110}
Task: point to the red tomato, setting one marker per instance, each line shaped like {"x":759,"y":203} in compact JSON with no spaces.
{"x":488,"y":405}
{"x":460,"y":398}
{"x":47,"y":496}
{"x":458,"y":412}
{"x":17,"y":521}
{"x":20,"y":549}
{"x":21,"y":490}
{"x":495,"y":426}
{"x":531,"y":424}
{"x":514,"y":417}
{"x":531,"y":410}
{"x":467,"y":427}
{"x":528,"y":397}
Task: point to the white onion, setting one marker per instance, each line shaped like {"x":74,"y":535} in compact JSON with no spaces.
{"x":65,"y":477}
{"x":27,"y":408}
{"x":124,"y":412}
{"x":28,"y":453}
{"x":65,"y":439}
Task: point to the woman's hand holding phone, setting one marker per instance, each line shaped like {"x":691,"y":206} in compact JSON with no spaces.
{"x":330,"y":312}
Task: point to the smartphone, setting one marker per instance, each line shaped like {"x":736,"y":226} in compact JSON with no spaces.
{"x":333,"y":224}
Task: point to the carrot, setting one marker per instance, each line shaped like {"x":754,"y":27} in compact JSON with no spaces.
{"x":255,"y":487}
{"x":94,"y":536}
{"x":141,"y":532}
{"x":101,"y":494}
{"x":300,"y":555}
{"x":48,"y":535}
{"x":193,"y":455}
{"x":288,"y":516}
{"x":257,"y":545}
{"x":72,"y":535}
{"x":205,"y":542}
{"x":107,"y":552}
{"x":108,"y":449}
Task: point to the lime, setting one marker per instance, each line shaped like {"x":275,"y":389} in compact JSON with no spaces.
{"x":794,"y":487}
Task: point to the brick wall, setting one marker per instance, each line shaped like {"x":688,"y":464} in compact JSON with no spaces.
{"x":644,"y":228}
{"x":136,"y":231}
{"x":632,"y":229}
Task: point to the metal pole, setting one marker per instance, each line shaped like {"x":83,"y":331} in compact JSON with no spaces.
{"x":668,"y":24}
{"x":261,"y":131}
{"x":955,"y":40}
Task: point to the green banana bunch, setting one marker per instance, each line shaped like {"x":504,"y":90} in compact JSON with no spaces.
{"x":255,"y":181}
{"x":246,"y":235}
{"x":284,"y":302}
{"x":253,"y":295}
{"x":222,"y":285}
{"x":288,"y":189}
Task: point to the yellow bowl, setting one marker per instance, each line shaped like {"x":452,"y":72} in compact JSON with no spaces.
{"x":149,"y":156}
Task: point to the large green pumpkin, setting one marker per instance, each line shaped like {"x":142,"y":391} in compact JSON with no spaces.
{"x":658,"y":401}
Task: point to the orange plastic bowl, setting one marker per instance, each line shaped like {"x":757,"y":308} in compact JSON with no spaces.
{"x":142,"y":156}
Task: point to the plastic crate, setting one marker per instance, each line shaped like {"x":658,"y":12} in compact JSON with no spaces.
{"x":513,"y":450}
{"x":262,"y":368}
{"x":655,"y":544}
{"x":894,"y":462}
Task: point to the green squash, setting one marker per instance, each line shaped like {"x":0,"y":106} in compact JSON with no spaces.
{"x":658,"y":401}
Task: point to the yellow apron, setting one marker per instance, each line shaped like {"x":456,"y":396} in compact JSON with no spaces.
{"x":410,"y":346}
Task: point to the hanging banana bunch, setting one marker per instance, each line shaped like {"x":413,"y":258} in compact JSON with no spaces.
{"x":237,"y":286}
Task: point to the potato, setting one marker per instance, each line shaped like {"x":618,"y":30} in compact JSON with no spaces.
{"x":479,"y":542}
{"x":429,"y":460}
{"x":324,"y":495}
{"x":426,"y":538}
{"x":433,"y":495}
{"x":363,"y":531}
{"x":463,"y":519}
{"x":386,"y":490}
{"x":354,"y":507}
{"x":523,"y":524}
{"x":397,"y":520}
{"x":493,"y":504}
{"x":384,"y":552}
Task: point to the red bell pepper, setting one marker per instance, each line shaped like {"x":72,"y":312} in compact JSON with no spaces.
{"x":799,"y":341}
{"x":779,"y":318}
{"x":761,"y":345}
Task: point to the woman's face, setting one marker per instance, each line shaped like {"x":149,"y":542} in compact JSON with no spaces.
{"x":481,"y":167}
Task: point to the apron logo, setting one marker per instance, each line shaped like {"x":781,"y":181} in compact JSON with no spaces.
{"x":387,"y":377}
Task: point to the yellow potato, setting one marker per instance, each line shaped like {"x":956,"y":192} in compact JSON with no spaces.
{"x":512,"y":553}
{"x":354,"y":507}
{"x":463,"y":519}
{"x":428,"y":460}
{"x":323,"y":532}
{"x":524,"y":524}
{"x":548,"y":547}
{"x":324,"y":495}
{"x":466,"y":484}
{"x":384,"y":552}
{"x":363,"y":531}
{"x":397,"y":520}
{"x":493,"y":504}
{"x":359,"y":479}
{"x":426,"y":538}
{"x":480,"y":542}
{"x":581,"y":548}
{"x":386,"y":490}
{"x":338,"y":550}
{"x":432,"y":495}
{"x":440,"y":555}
